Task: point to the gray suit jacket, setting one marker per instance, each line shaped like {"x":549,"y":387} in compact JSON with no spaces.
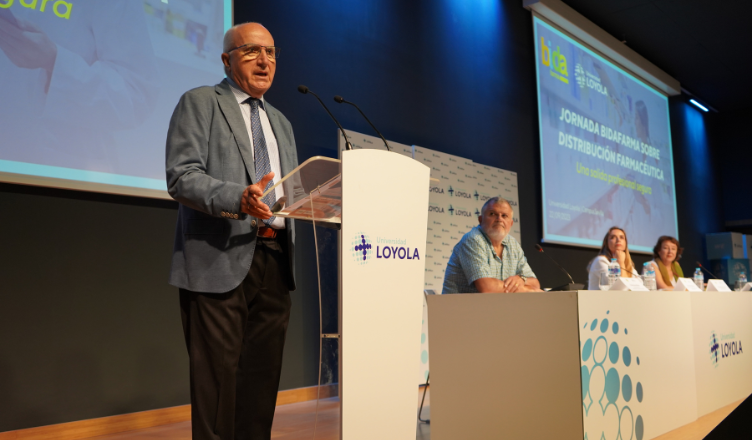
{"x":209,"y":165}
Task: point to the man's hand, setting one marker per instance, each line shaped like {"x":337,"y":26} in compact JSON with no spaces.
{"x":514,"y":284}
{"x":251,"y":203}
{"x":27,"y":46}
{"x":510,"y":285}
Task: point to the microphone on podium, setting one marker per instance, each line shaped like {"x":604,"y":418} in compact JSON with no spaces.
{"x":570,"y":286}
{"x":305,"y":90}
{"x":338,"y":99}
{"x":706,"y":271}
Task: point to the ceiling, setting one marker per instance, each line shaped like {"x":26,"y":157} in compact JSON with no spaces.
{"x":706,"y":45}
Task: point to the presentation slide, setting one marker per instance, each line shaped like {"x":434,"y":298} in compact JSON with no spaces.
{"x":88,"y":86}
{"x":605,"y":147}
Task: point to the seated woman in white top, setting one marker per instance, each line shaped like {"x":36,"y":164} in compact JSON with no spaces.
{"x":667,"y":253}
{"x":614,"y":246}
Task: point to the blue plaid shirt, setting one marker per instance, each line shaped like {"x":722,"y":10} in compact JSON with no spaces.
{"x":474,"y":257}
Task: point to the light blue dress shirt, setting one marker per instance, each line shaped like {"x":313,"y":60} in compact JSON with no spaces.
{"x":474,"y":258}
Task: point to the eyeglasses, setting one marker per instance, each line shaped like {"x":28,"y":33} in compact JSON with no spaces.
{"x":252,"y":51}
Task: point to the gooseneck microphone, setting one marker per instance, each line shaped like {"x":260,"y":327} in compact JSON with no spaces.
{"x":707,"y":271}
{"x":570,"y":286}
{"x":338,"y":99}
{"x":305,"y":90}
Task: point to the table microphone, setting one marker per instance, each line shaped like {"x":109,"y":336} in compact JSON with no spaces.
{"x":572,"y":285}
{"x":708,"y":272}
{"x":305,"y":90}
{"x":338,"y":99}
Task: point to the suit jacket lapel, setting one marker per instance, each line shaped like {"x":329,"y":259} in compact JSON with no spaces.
{"x":231,"y":110}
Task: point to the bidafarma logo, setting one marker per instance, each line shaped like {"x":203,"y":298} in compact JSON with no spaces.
{"x":555,"y":61}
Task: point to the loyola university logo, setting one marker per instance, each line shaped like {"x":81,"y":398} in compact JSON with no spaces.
{"x":724,"y":347}
{"x":579,"y":73}
{"x":585,"y":79}
{"x":714,"y":349}
{"x":362,"y":251}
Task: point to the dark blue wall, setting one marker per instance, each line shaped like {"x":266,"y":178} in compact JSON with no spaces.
{"x":90,"y":327}
{"x":699,"y":195}
{"x":458,"y":77}
{"x":732,"y":142}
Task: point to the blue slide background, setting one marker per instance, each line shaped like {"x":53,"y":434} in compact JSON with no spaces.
{"x":121,"y":66}
{"x":582,"y":196}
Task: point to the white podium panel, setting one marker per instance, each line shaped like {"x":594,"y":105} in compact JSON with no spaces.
{"x":722,"y":330}
{"x":505,"y":366}
{"x":383,"y":239}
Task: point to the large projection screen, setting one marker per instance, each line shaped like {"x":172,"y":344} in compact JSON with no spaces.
{"x":605,"y":145}
{"x":89,"y":87}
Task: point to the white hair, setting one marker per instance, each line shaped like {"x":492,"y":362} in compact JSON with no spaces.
{"x":493,"y":201}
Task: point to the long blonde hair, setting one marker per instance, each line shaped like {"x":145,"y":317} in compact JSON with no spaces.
{"x":606,"y":252}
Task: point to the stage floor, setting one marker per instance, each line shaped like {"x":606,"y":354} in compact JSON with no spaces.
{"x":295,"y":422}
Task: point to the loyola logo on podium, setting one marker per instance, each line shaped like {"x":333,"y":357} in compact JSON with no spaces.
{"x":363,"y":249}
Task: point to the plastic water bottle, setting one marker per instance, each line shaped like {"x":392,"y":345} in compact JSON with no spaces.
{"x":741,"y":281}
{"x":614,"y":271}
{"x":648,"y":276}
{"x":699,"y":278}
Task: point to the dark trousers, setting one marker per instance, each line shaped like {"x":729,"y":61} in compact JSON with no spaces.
{"x":235,"y":342}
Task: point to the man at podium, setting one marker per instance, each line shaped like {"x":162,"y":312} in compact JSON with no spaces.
{"x":489,"y":260}
{"x":233,"y":260}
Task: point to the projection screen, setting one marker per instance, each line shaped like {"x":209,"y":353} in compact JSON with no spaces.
{"x":605,"y":146}
{"x":88,"y":87}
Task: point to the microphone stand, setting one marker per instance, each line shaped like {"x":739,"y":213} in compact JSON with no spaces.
{"x":565,"y":287}
{"x":420,"y":410}
{"x":706,"y":271}
{"x":338,"y":99}
{"x":305,"y":90}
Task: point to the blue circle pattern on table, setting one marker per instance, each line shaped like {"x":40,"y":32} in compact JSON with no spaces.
{"x":613,"y":353}
{"x":587,"y":348}
{"x":616,"y":385}
{"x":626,"y":388}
